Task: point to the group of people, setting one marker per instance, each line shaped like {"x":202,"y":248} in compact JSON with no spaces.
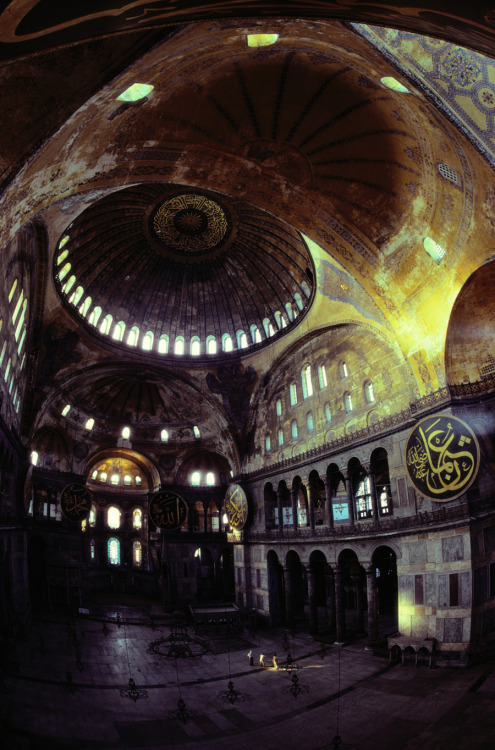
{"x":262,"y":660}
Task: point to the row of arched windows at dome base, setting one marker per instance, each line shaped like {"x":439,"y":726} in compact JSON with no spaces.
{"x":114,"y":552}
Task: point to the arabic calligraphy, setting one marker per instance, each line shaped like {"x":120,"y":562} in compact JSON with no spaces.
{"x":236,"y":506}
{"x":75,"y":502}
{"x":442,"y":457}
{"x":168,"y":510}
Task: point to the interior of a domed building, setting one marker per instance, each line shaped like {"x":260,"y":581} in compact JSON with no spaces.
{"x":247,"y":375}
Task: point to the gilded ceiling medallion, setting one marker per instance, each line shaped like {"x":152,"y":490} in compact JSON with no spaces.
{"x":191,"y":223}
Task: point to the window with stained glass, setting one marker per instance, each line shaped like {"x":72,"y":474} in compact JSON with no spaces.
{"x":113,"y":551}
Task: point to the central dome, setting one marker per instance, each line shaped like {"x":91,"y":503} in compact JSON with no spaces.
{"x":178,"y":271}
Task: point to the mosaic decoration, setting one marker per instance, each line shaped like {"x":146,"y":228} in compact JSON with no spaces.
{"x":191,"y":223}
{"x":75,"y":502}
{"x":167,"y":510}
{"x":442,"y":457}
{"x":236,"y":506}
{"x":462,"y":80}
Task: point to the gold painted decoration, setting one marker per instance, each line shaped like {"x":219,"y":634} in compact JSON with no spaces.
{"x":236,"y":506}
{"x":75,"y":502}
{"x":167,"y":510}
{"x":442,"y":457}
{"x":191,"y":223}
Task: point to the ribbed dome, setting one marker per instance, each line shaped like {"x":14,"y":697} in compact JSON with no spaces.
{"x":183,"y":271}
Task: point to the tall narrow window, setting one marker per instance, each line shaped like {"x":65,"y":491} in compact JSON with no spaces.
{"x":343,"y":369}
{"x":64,"y":271}
{"x":310,"y":422}
{"x":290,"y":314}
{"x":369,"y":393}
{"x":113,"y":517}
{"x":118,"y":331}
{"x":137,"y":553}
{"x":268,"y":443}
{"x":92,"y":549}
{"x":90,"y":423}
{"x":126,"y":433}
{"x":196,"y":478}
{"x":164,"y":436}
{"x":280,"y":437}
{"x":114,"y":551}
{"x":137,"y":518}
{"x":328,"y":412}
{"x":95,"y":316}
{"x":307,"y":383}
{"x":293,"y":394}
{"x":255,"y":334}
{"x":278,"y":407}
{"x":106,"y":324}
{"x":85,"y":306}
{"x":196,"y":431}
{"x":347,"y":402}
{"x":179,"y":346}
{"x":133,"y":336}
{"x":65,"y":410}
{"x":242,"y":342}
{"x":363,"y":498}
{"x":293,"y":429}
{"x":211,"y":345}
{"x":77,"y":296}
{"x":322,"y":376}
{"x":195,"y":346}
{"x":148,"y":339}
{"x":210,"y":478}
{"x":12,"y":290}
{"x":227,"y":342}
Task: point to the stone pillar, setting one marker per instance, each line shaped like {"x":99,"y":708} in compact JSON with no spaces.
{"x":205,"y":517}
{"x":350,"y":500}
{"x":313,"y":612}
{"x":356,"y":579}
{"x":280,"y":498}
{"x":372,"y":610}
{"x":311,"y":506}
{"x":190,"y":518}
{"x":339,"y":607}
{"x":293,"y":501}
{"x":330,"y":582}
{"x":328,"y":503}
{"x":374,"y":499}
{"x":289,"y":596}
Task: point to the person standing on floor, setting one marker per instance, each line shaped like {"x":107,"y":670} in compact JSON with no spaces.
{"x":251,"y":658}
{"x":262,"y":660}
{"x":275,"y":661}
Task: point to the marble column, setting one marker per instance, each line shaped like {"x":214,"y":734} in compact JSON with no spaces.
{"x":330,"y":583}
{"x":339,"y":607}
{"x":289,"y":596}
{"x":356,"y":579}
{"x":280,"y":507}
{"x":293,"y":501}
{"x":205,"y":518}
{"x":374,"y":499}
{"x":372,"y":608}
{"x":312,"y":505}
{"x":313,"y":612}
{"x":328,"y":503}
{"x":350,"y":500}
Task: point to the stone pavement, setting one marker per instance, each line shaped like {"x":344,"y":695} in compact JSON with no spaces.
{"x":347,"y":690}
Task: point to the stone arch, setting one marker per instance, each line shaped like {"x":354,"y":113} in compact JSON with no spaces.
{"x":317,"y":498}
{"x":276,"y":588}
{"x":338,"y":488}
{"x":318,"y":590}
{"x":384,"y":563}
{"x":380,"y":472}
{"x":296,"y":587}
{"x":352,"y":594}
{"x":270,"y":503}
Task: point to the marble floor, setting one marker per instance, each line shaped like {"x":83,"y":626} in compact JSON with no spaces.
{"x":67,"y":687}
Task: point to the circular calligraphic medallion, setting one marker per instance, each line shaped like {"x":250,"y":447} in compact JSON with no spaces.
{"x":191,"y":223}
{"x":168,"y":510}
{"x":236,"y":506}
{"x":442,"y":457}
{"x":75,"y":502}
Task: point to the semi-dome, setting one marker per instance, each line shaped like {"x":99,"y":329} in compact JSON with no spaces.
{"x":176,"y":270}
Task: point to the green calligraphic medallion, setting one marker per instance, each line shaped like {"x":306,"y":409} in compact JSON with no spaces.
{"x":236,"y":506}
{"x":442,"y":457}
{"x":75,"y":502}
{"x":167,"y":510}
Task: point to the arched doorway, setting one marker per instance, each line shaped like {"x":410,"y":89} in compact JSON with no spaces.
{"x":296,"y":588}
{"x":276,"y":589}
{"x":318,"y":591}
{"x":385,"y":568}
{"x":353,"y":593}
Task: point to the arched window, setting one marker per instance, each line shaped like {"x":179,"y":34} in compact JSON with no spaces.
{"x":92,"y":549}
{"x":347,"y":402}
{"x":307,"y":383}
{"x":369,"y":393}
{"x":137,"y":553}
{"x":65,"y":410}
{"x":298,"y":300}
{"x":92,"y":516}
{"x":278,"y":407}
{"x":290,"y":312}
{"x":211,"y":345}
{"x":210,"y":478}
{"x":255,"y":334}
{"x":118,"y":331}
{"x":305,"y":288}
{"x":90,"y":423}
{"x":293,"y":429}
{"x":363,"y":498}
{"x":34,"y":457}
{"x":148,"y":339}
{"x":113,"y":516}
{"x":114,"y":479}
{"x":103,"y":476}
{"x":322,"y":376}
{"x":2,"y":354}
{"x":126,"y":433}
{"x":133,"y":336}
{"x":163,"y":344}
{"x":62,"y":256}
{"x":69,"y":284}
{"x":7,"y":372}
{"x":179,"y":346}
{"x":113,"y":551}
{"x":64,"y":271}
{"x":95,"y":316}
{"x":343,"y":369}
{"x":268,"y":444}
{"x":196,"y":431}
{"x":280,"y":437}
{"x":164,"y":436}
{"x":310,"y":421}
{"x":196,"y":478}
{"x":266,"y":326}
{"x":195,"y":346}
{"x":138,"y":480}
{"x":278,"y":319}
{"x":137,"y":518}
{"x":12,"y":290}
{"x":127,"y":480}
{"x":77,"y":296}
{"x":242,"y":342}
{"x":85,"y":306}
{"x":328,"y":412}
{"x":106,"y":324}
{"x":227,"y":345}
{"x":293,"y":394}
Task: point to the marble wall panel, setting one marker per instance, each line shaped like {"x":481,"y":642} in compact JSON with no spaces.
{"x":417,"y":552}
{"x":465,"y":597}
{"x":452,"y":630}
{"x":452,"y":548}
{"x":430,"y":589}
{"x":443,"y":591}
